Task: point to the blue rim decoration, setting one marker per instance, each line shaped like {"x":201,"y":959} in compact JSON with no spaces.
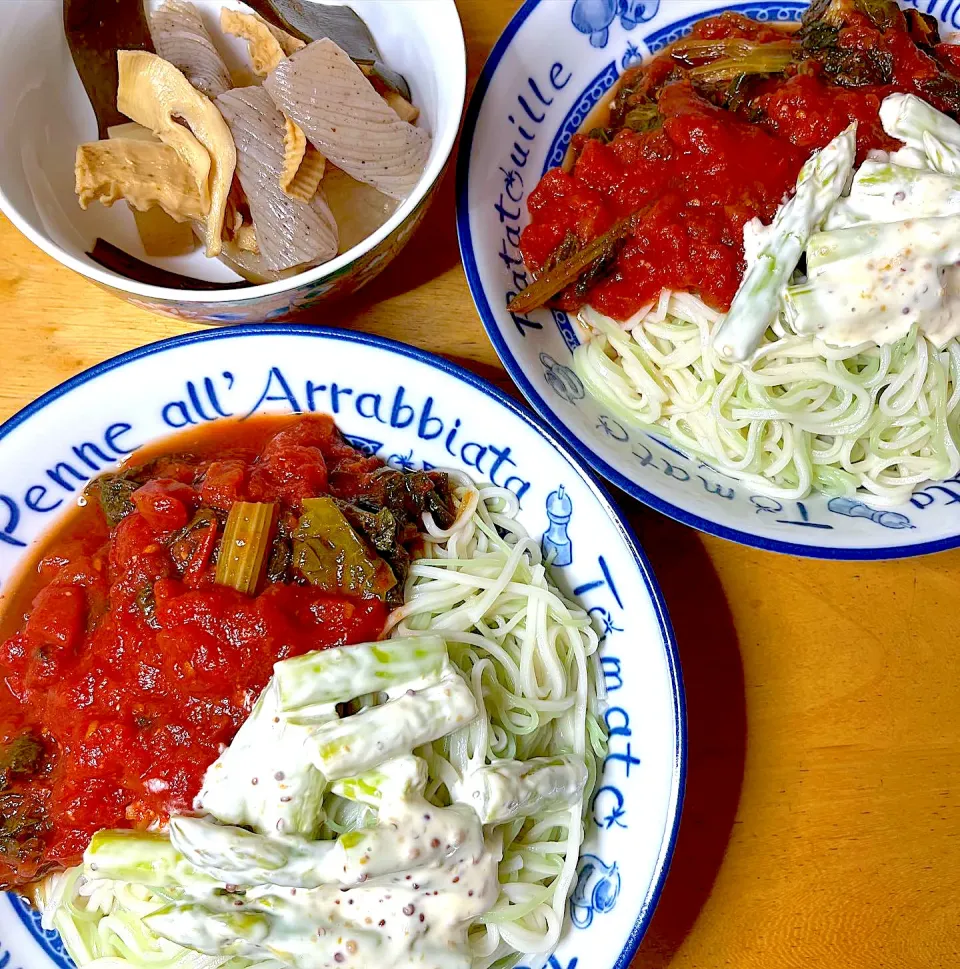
{"x":649,"y":903}
{"x":759,"y":11}
{"x":581,"y":449}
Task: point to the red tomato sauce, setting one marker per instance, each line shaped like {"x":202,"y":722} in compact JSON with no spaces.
{"x":708,"y":169}
{"x":135,"y":668}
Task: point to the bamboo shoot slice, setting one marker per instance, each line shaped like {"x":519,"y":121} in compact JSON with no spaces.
{"x":303,"y":165}
{"x":155,"y":94}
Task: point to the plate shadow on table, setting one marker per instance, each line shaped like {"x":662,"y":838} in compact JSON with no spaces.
{"x":716,"y":724}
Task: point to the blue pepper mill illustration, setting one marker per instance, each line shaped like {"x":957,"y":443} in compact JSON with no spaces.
{"x":557,"y":547}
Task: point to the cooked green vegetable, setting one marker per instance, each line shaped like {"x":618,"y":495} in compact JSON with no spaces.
{"x":341,"y":748}
{"x":876,"y":281}
{"x":266,"y":928}
{"x":855,"y":68}
{"x":24,"y":823}
{"x":394,"y":778}
{"x":185,"y":544}
{"x":435,"y":833}
{"x":509,"y":789}
{"x":329,"y":554}
{"x":882,"y":192}
{"x":264,"y":780}
{"x":115,"y":492}
{"x":281,"y":554}
{"x":230,"y":933}
{"x":924,"y":129}
{"x":757,"y":303}
{"x":819,"y":35}
{"x":935,"y":239}
{"x":882,"y":13}
{"x":753,"y":59}
{"x":147,"y":604}
{"x":236,"y":856}
{"x":850,"y":66}
{"x":695,"y":51}
{"x":246,"y":541}
{"x":548,"y":284}
{"x":408,"y":494}
{"x":143,"y":858}
{"x":22,"y":756}
{"x":642,"y":118}
{"x":380,"y":528}
{"x":330,"y":676}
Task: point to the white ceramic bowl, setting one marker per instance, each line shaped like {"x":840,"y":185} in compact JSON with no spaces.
{"x":530,"y":99}
{"x":45,"y":114}
{"x":412,"y":409}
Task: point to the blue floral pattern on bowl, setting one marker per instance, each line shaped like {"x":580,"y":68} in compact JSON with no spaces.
{"x":594,"y":17}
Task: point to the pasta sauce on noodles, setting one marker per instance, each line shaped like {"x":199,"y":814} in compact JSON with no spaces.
{"x":127,"y":665}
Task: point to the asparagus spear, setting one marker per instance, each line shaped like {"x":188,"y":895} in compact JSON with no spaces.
{"x":508,"y":789}
{"x":297,"y":931}
{"x":194,"y":926}
{"x":923,"y":128}
{"x":874,"y":282}
{"x":427,"y":838}
{"x":331,"y":676}
{"x":143,"y":858}
{"x":885,"y":242}
{"x":822,"y":181}
{"x":882,"y":192}
{"x":265,"y":779}
{"x":355,"y":744}
{"x":309,"y":931}
{"x":394,"y":778}
{"x":411,"y":833}
{"x":236,"y":856}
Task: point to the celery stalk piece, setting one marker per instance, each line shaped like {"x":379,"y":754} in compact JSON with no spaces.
{"x":923,"y":128}
{"x":236,"y":856}
{"x":509,"y":789}
{"x":265,"y":779}
{"x":822,"y":181}
{"x":246,"y":542}
{"x":394,"y":778}
{"x":143,"y":858}
{"x":340,"y":674}
{"x":355,"y":744}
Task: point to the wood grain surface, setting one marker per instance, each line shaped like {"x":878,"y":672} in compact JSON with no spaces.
{"x":822,"y":821}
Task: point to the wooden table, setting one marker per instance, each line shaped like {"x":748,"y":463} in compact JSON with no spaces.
{"x":821,"y":828}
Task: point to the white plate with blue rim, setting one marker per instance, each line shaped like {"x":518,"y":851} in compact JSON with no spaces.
{"x":530,"y":99}
{"x":413,"y":410}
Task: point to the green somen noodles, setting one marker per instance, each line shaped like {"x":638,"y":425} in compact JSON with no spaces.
{"x":800,"y":417}
{"x":530,"y":658}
